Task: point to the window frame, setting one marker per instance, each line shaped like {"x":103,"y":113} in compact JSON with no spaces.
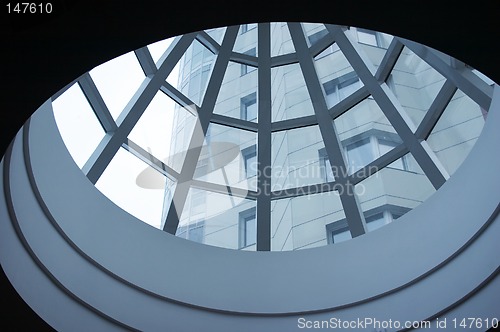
{"x":245,"y":102}
{"x":244,"y":217}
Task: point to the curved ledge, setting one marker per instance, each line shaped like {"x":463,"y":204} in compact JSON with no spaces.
{"x":106,"y":222}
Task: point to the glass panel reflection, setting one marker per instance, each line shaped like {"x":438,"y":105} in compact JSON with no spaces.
{"x":301,"y":222}
{"x":298,"y":158}
{"x":79,"y":127}
{"x":228,"y":157}
{"x":238,"y":93}
{"x":117,"y":81}
{"x":366,"y":134}
{"x":121,"y":183}
{"x":218,"y":220}
{"x":289,"y":96}
{"x":415,"y":84}
{"x":281,"y":41}
{"x":457,"y":131}
{"x":195,"y":68}
{"x":391,"y":192}
{"x":155,"y":131}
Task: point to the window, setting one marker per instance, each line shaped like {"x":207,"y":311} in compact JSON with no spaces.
{"x":341,"y":87}
{"x":248,"y":107}
{"x":359,"y":154}
{"x":198,"y":200}
{"x":325,"y":166}
{"x":385,"y":146}
{"x":363,"y":151}
{"x":193,"y":231}
{"x":338,"y":231}
{"x":245,"y":69}
{"x":367,"y":37}
{"x":247,"y":27}
{"x":341,"y":235}
{"x":315,"y":37}
{"x":247,"y":228}
{"x":250,"y":161}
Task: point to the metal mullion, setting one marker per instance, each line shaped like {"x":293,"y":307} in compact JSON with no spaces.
{"x":389,"y":60}
{"x":284,"y":59}
{"x":322,"y":44}
{"x":146,"y":61}
{"x":304,"y":190}
{"x":264,"y":139}
{"x":436,"y":110}
{"x":102,"y":156}
{"x":205,"y":113}
{"x":305,"y":121}
{"x":352,"y":209}
{"x":349,"y":102}
{"x":97,"y":103}
{"x":206,"y":40}
{"x":244,"y":59}
{"x":379,"y":163}
{"x":223,"y":189}
{"x":149,"y":159}
{"x":179,"y":98}
{"x":392,"y":109}
{"x":234,"y":122}
{"x":464,"y":78}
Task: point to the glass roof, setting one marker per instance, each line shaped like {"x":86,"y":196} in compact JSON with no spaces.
{"x":273,"y":136}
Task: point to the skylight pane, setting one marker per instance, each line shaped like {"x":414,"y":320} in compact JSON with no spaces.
{"x":121,"y":183}
{"x":117,"y":81}
{"x":228,"y":157}
{"x":457,"y":131}
{"x":415,"y":84}
{"x":298,"y":158}
{"x":79,"y":127}
{"x":158,"y":49}
{"x":155,"y":134}
{"x":366,"y":134}
{"x":289,"y":96}
{"x":238,"y":94}
{"x":300,"y":222}
{"x":393,"y":190}
{"x":217,"y":219}
{"x":281,"y":41}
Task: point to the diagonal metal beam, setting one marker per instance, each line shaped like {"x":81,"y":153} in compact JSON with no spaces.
{"x":245,"y":59}
{"x":102,"y":156}
{"x":436,"y":110}
{"x":333,"y":147}
{"x":391,"y":107}
{"x":349,"y":102}
{"x":311,"y":189}
{"x":206,"y":40}
{"x":97,"y":103}
{"x":294,"y":123}
{"x":322,"y":44}
{"x":179,"y":98}
{"x":264,"y":139}
{"x":222,"y":189}
{"x":284,"y":59}
{"x":379,"y":163}
{"x":204,"y":115}
{"x":389,"y":60}
{"x":149,"y":159}
{"x":146,"y":61}
{"x":463,"y":78}
{"x":234,"y":123}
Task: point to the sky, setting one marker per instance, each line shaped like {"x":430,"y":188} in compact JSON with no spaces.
{"x":117,"y":80}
